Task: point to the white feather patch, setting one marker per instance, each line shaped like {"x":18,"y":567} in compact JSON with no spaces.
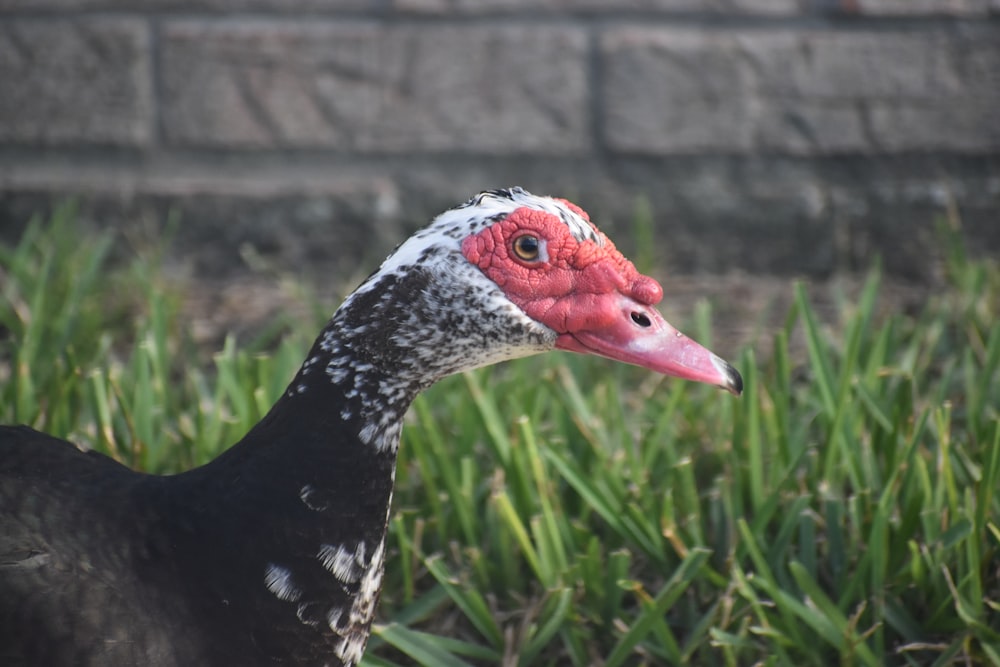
{"x":279,"y":581}
{"x":344,"y":563}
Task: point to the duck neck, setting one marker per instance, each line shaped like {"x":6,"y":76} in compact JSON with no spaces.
{"x":366,"y":366}
{"x":402,"y":331}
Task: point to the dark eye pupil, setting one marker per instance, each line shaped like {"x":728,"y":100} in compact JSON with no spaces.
{"x":527,"y":247}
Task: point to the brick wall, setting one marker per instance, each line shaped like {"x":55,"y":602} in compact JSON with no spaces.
{"x":790,"y":136}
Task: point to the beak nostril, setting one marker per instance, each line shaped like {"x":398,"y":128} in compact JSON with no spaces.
{"x":641,"y":319}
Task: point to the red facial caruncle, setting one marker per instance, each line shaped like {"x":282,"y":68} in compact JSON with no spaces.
{"x":589,"y":294}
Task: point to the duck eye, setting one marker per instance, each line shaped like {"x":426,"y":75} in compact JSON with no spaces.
{"x":526,"y":247}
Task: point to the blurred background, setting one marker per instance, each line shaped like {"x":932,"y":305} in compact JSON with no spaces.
{"x":729,"y":140}
{"x":249,"y":161}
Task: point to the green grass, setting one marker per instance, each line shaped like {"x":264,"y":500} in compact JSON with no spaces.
{"x":564,"y":510}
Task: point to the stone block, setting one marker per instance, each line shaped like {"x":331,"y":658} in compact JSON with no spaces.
{"x":851,"y":66}
{"x":596,"y":6}
{"x":678,"y":90}
{"x":918,"y":7}
{"x":225,"y":6}
{"x":75,"y":82}
{"x":892,"y":90}
{"x":376,"y":88}
{"x":673,"y":91}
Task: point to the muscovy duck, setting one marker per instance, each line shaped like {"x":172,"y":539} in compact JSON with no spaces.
{"x":274,"y":552}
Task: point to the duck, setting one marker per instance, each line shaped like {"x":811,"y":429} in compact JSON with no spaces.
{"x":273,"y":553}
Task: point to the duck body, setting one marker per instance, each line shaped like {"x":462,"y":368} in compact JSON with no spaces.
{"x":273,"y":553}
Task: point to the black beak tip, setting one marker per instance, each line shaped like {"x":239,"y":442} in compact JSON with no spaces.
{"x":734,"y":381}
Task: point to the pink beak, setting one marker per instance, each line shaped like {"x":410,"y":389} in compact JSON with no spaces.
{"x":637,"y":334}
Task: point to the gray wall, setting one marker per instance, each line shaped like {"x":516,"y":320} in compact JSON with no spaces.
{"x":789,"y":136}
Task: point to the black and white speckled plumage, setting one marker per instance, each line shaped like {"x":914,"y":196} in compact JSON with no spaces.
{"x":274,"y":552}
